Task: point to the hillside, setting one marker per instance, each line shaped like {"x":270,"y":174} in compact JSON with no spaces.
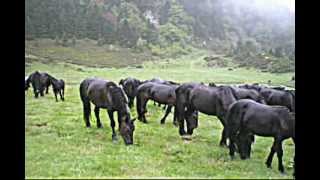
{"x":253,"y":37}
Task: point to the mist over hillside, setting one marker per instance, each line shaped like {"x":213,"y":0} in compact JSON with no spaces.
{"x":256,"y":33}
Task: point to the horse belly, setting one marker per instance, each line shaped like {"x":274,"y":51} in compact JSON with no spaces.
{"x":160,"y":98}
{"x":204,"y":106}
{"x":260,"y":124}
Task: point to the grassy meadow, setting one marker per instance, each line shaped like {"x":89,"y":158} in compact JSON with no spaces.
{"x":58,"y":145}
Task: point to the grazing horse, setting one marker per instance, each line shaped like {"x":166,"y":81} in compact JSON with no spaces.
{"x":206,"y":99}
{"x":274,"y":96}
{"x":161,"y":81}
{"x":58,"y":87}
{"x":161,"y":93}
{"x":40,"y":82}
{"x":107,"y":95}
{"x":181,"y":110}
{"x":130,"y":86}
{"x":246,"y":117}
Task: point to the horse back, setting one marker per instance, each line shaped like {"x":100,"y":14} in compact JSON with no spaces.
{"x":204,"y":99}
{"x":163,"y":93}
{"x":98,"y":93}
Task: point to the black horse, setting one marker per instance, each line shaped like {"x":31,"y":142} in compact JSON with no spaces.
{"x":40,"y":82}
{"x":246,"y":118}
{"x":161,"y":93}
{"x":58,"y":87}
{"x":130,"y":86}
{"x":161,"y":81}
{"x":243,"y":93}
{"x":206,"y":99}
{"x":275,"y":96}
{"x":107,"y":95}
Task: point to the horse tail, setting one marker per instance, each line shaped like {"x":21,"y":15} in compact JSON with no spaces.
{"x":229,"y":119}
{"x":234,"y":117}
{"x":85,"y":100}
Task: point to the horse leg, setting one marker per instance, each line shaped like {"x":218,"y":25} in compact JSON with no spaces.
{"x":280,"y":154}
{"x":164,"y":107}
{"x":86,"y":113}
{"x":270,"y":156}
{"x":41,"y":92}
{"x":190,"y":125}
{"x":175,"y":120}
{"x":166,"y":114}
{"x":96,"y":112}
{"x":141,"y":108}
{"x":61,"y":96}
{"x":62,"y":93}
{"x":223,"y":141}
{"x":112,"y":124}
{"x":232,"y":138}
{"x":131,"y":102}
{"x":144,"y":110}
{"x":55,"y":94}
{"x":180,"y":118}
{"x":47,"y":89}
{"x":36,"y":94}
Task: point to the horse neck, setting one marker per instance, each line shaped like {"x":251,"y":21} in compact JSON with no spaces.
{"x":228,"y":97}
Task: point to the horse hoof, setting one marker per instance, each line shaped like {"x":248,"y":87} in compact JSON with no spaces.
{"x":114,"y":138}
{"x":282,"y":171}
{"x":161,"y":122}
{"x":182,"y":133}
{"x":268,"y":165}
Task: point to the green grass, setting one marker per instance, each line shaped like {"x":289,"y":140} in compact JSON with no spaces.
{"x":64,"y":148}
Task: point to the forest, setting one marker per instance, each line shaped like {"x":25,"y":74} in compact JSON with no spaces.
{"x":250,"y":33}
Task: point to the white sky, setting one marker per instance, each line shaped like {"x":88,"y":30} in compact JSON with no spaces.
{"x":284,"y":3}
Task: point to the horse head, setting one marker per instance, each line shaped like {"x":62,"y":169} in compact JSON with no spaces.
{"x":127,"y":128}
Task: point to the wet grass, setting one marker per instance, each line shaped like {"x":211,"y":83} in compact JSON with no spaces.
{"x":59,"y":145}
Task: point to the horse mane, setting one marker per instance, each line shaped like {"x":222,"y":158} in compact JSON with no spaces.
{"x":118,"y":95}
{"x":229,"y":93}
{"x":234,"y":93}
